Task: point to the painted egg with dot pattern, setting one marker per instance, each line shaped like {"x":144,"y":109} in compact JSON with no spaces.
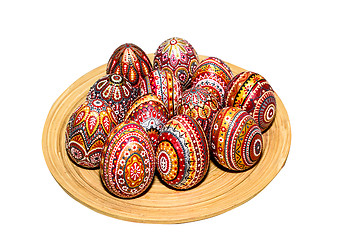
{"x":214,"y":75}
{"x":151,"y":114}
{"x":201,"y":105}
{"x":130,"y":61}
{"x":166,"y":88}
{"x":182,"y":155}
{"x":87,"y":130}
{"x":252,"y":93}
{"x":127,"y":164}
{"x":178,"y":56}
{"x":235,"y":139}
{"x":116,"y":91}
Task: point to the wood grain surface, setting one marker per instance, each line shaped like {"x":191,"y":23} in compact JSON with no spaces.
{"x":221,"y":191}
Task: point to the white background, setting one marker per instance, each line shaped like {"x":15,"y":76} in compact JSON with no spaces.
{"x":308,"y":51}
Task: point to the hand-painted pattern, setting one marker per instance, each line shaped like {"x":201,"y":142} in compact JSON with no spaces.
{"x":182,"y":155}
{"x":236,"y":140}
{"x":86,"y":132}
{"x":127,"y":164}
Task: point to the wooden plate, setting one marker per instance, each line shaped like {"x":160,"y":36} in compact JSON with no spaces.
{"x":218,"y":193}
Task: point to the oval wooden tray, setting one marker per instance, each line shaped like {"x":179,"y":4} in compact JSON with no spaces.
{"x":219,"y":192}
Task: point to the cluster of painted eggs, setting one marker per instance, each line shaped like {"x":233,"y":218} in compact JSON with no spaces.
{"x":168,"y":117}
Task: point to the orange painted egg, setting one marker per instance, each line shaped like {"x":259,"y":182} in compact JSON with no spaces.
{"x":182,"y":155}
{"x":201,"y":105}
{"x":127,"y":164}
{"x":236,"y":141}
{"x":166,"y":88}
{"x":129,"y":61}
{"x":87,"y":130}
{"x":178,"y":56}
{"x":214,"y":75}
{"x":116,"y":91}
{"x":252,"y":93}
{"x":151,"y":114}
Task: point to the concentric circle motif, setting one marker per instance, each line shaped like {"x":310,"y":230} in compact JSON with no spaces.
{"x":213,"y":74}
{"x":116,"y":91}
{"x":130,"y":61}
{"x":179,"y":57}
{"x":151,"y":114}
{"x":127,"y":164}
{"x":252,"y":93}
{"x":166,"y":88}
{"x":87,"y":130}
{"x":201,"y":105}
{"x":236,"y":139}
{"x":182,"y":155}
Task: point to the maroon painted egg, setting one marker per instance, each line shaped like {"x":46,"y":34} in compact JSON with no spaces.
{"x":182,"y":155}
{"x":201,"y":105}
{"x":116,"y":91}
{"x":235,"y":139}
{"x":129,"y":61}
{"x":252,"y":93}
{"x":127,"y":164}
{"x":178,"y":56}
{"x":151,"y":114}
{"x":214,"y":75}
{"x":87,"y":130}
{"x":166,"y":88}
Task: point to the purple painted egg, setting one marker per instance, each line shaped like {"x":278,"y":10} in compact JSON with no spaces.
{"x":127,"y":164}
{"x":199,"y":104}
{"x":252,"y":93}
{"x":129,"y":61}
{"x":214,"y":75}
{"x":178,"y":56}
{"x":182,"y":155}
{"x":151,"y":114}
{"x":166,"y":88}
{"x":235,"y":139}
{"x":116,"y":91}
{"x":87,"y":130}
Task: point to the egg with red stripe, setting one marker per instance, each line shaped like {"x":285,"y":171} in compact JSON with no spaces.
{"x":130,"y":61}
{"x":87,"y":130}
{"x":236,"y":141}
{"x":182,"y":155}
{"x":252,"y":93}
{"x":127,"y":165}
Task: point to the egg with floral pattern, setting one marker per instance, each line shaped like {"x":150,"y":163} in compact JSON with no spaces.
{"x":182,"y":155}
{"x":213,"y":74}
{"x":87,"y":130}
{"x":235,"y":139}
{"x":252,"y":93}
{"x":201,"y":105}
{"x":127,"y":164}
{"x":116,"y":91}
{"x":166,"y":87}
{"x":130,"y":61}
{"x":151,"y":114}
{"x":178,"y":56}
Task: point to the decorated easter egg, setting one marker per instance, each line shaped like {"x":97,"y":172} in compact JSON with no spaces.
{"x":166,"y":88}
{"x":214,"y":75}
{"x":182,"y":155}
{"x":129,"y":61}
{"x":236,"y":139}
{"x":145,"y":87}
{"x":87,"y":130}
{"x":151,"y":114}
{"x":178,"y":56}
{"x":201,"y":105}
{"x":252,"y":93}
{"x":127,"y":164}
{"x":116,"y":91}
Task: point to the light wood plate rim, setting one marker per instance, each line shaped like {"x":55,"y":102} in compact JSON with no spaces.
{"x":85,"y":185}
